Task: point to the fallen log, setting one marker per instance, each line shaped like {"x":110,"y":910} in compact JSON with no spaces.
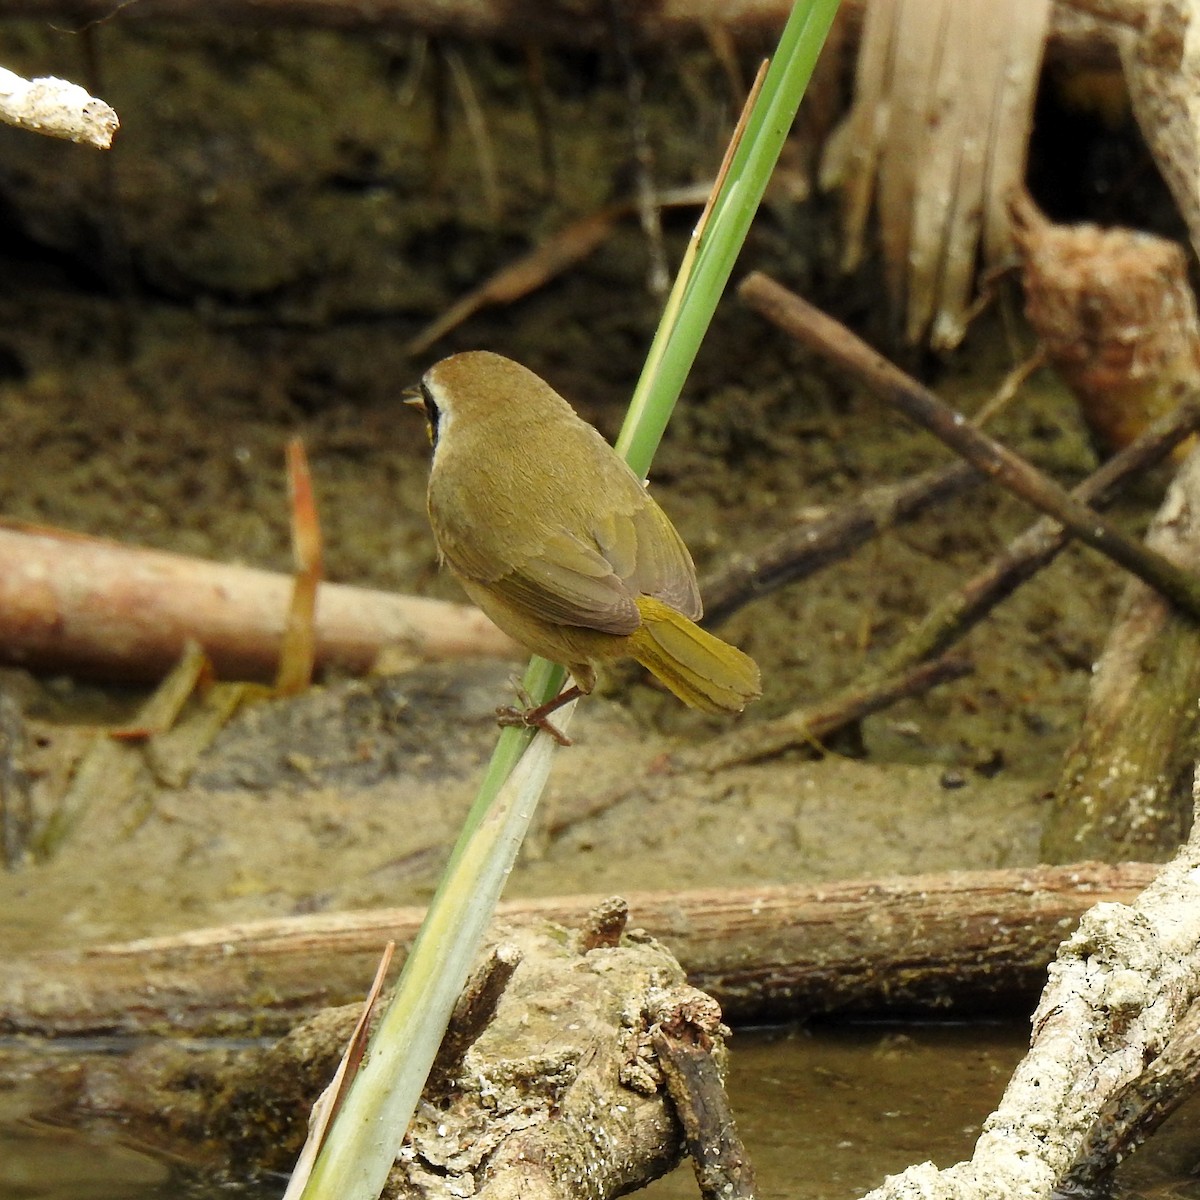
{"x":956,"y":942}
{"x":95,"y":607}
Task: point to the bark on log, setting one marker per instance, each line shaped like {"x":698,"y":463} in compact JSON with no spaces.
{"x":94,"y":607}
{"x":952,"y":942}
{"x":1125,"y":788}
{"x":558,"y":1096}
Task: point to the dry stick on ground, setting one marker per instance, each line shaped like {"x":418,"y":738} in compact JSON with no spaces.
{"x":1117,"y":991}
{"x":812,"y":726}
{"x":951,"y":942}
{"x":810,"y":546}
{"x":832,"y":340}
{"x":959,"y":612}
{"x":95,"y":607}
{"x":1124,"y":788}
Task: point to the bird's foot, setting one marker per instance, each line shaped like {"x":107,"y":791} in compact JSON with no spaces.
{"x":538,"y":717}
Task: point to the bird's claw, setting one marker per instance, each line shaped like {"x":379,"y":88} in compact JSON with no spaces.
{"x":531,"y":718}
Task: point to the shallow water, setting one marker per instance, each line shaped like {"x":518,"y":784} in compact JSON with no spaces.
{"x":828,"y":1113}
{"x":825,"y":1114}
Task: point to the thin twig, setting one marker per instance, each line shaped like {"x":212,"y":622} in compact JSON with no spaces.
{"x":827,"y":337}
{"x":811,"y":726}
{"x":1030,"y":551}
{"x":477,"y":127}
{"x":811,"y":546}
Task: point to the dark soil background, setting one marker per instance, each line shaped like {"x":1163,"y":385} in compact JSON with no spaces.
{"x":282,"y":212}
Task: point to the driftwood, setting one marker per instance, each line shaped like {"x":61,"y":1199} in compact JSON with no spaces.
{"x":943,"y":943}
{"x":1137,"y":1110}
{"x":95,"y":607}
{"x":1125,"y":787}
{"x":559,"y":1076}
{"x":1118,"y":991}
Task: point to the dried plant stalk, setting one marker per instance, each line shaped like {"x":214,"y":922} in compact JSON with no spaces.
{"x":940,"y":126}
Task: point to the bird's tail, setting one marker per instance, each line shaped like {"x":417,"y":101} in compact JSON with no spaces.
{"x":703,"y":671}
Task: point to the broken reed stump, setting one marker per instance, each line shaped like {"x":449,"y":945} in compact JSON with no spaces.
{"x":1117,"y":316}
{"x":1125,"y":789}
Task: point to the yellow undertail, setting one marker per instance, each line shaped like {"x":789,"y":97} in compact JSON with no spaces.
{"x":703,"y":671}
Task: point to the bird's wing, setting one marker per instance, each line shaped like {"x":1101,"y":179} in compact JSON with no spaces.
{"x":663,"y":567}
{"x":562,"y":580}
{"x":562,"y":563}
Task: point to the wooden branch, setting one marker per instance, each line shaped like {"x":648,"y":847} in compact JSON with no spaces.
{"x":951,"y":943}
{"x":1118,"y":991}
{"x":95,"y":607}
{"x":956,"y":614}
{"x":809,"y":727}
{"x":809,"y":546}
{"x":1136,"y":1111}
{"x":692,"y":1073}
{"x":827,"y":337}
{"x":1124,"y":791}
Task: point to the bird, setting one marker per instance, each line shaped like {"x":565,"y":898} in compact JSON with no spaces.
{"x":557,"y":540}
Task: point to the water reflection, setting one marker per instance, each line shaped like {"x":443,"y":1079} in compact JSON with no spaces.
{"x":825,"y":1115}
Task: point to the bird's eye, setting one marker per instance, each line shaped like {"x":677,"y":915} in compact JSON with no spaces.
{"x":432,"y":414}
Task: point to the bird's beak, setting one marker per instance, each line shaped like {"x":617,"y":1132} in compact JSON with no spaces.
{"x":412,"y":395}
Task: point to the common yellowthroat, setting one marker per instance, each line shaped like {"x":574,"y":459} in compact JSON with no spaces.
{"x":556,"y":539}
